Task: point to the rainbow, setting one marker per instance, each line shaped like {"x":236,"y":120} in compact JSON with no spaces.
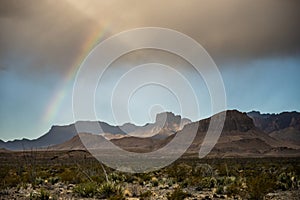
{"x":60,"y":94}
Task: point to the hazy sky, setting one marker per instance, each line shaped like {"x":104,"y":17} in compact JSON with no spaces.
{"x":255,"y":44}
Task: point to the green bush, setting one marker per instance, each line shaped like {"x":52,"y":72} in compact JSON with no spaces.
{"x":53,"y":180}
{"x":67,"y":175}
{"x":70,"y":176}
{"x":116,"y":178}
{"x":88,"y":189}
{"x":110,"y":190}
{"x":208,"y":182}
{"x":39,"y":181}
{"x":286,"y":181}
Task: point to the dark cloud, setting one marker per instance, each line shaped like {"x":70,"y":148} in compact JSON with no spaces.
{"x":45,"y":36}
{"x":14,"y":8}
{"x":235,"y":29}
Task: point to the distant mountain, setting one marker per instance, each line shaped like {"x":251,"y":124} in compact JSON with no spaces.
{"x":167,"y":123}
{"x":244,"y":135}
{"x":284,"y":126}
{"x":275,"y":122}
{"x":55,"y":135}
{"x":239,"y":138}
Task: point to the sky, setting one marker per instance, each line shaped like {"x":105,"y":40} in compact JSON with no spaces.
{"x":254,"y":43}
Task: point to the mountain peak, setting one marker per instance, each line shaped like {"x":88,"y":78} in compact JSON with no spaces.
{"x":239,"y":121}
{"x":167,"y":117}
{"x":234,"y":121}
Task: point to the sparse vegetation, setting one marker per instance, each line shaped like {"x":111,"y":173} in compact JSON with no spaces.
{"x":88,"y":189}
{"x":178,"y":194}
{"x":259,"y":186}
{"x":145,"y":195}
{"x":41,"y":195}
{"x":111,"y":190}
{"x":223,"y":178}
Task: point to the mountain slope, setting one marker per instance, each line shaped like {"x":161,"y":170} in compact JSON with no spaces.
{"x":284,"y":126}
{"x":239,"y":138}
{"x":168,"y":122}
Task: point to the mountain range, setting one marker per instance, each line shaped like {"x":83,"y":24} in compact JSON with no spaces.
{"x":165,"y":125}
{"x":244,"y":135}
{"x":283,"y":126}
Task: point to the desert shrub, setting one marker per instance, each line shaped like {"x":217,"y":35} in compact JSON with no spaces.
{"x":53,"y":180}
{"x":42,"y":195}
{"x":25,"y":177}
{"x":144,"y":176}
{"x":178,"y":194}
{"x":70,"y":176}
{"x":223,"y":170}
{"x":220,"y":189}
{"x":88,"y":189}
{"x":259,"y":186}
{"x":39,"y":181}
{"x":67,"y":175}
{"x":207,"y":182}
{"x":11,"y":180}
{"x":129,"y":178}
{"x":116,"y":177}
{"x":98,"y":179}
{"x":286,"y":181}
{"x":229,"y":180}
{"x":184,"y":183}
{"x":110,"y":190}
{"x":232,"y":189}
{"x":145,"y":195}
{"x":44,"y":174}
{"x":193,"y":181}
{"x":203,"y":170}
{"x":179,"y":171}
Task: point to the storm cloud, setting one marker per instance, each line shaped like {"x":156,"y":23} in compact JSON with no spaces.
{"x":255,"y":43}
{"x":46,"y":36}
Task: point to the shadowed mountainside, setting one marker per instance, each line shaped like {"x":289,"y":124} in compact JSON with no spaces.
{"x":242,"y":136}
{"x":166,"y":124}
{"x":239,"y":138}
{"x":284,"y":126}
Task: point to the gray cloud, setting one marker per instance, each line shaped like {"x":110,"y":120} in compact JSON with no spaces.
{"x":47,"y":36}
{"x":232,"y":28}
{"x":3,"y":68}
{"x":13,"y":8}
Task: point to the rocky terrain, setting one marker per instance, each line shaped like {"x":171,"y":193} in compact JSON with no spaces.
{"x":283,"y":126}
{"x":77,"y":175}
{"x":63,"y":191}
{"x":240,"y":137}
{"x":252,"y":159}
{"x":244,"y":134}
